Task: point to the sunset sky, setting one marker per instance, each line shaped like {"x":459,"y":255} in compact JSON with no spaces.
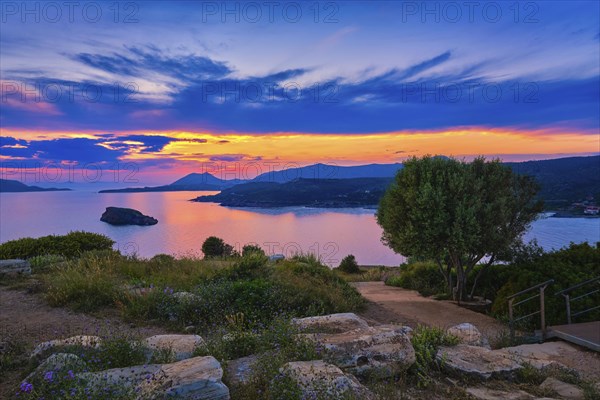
{"x":176,"y":86}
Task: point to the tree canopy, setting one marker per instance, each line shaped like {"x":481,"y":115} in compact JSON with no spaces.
{"x":456,"y":213}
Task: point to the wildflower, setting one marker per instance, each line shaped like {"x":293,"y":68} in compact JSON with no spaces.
{"x":49,"y":376}
{"x":26,"y":387}
{"x":71,"y":374}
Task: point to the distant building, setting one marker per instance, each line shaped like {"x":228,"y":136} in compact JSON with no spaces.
{"x":591,"y":210}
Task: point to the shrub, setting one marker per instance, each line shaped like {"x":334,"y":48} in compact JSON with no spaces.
{"x":216,"y":247}
{"x":69,"y":245}
{"x":568,"y":266}
{"x":426,"y":342}
{"x":349,"y":265}
{"x":250,"y":249}
{"x":424,"y":277}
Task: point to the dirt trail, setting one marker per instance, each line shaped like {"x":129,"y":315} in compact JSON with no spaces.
{"x":26,"y":320}
{"x":392,"y":304}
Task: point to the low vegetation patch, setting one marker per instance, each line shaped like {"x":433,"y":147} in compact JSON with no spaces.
{"x":70,"y":245}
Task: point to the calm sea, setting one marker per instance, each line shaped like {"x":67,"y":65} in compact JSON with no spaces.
{"x":183,"y":225}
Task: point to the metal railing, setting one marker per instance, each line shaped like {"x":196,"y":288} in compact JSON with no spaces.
{"x":542,"y":311}
{"x":567,"y":295}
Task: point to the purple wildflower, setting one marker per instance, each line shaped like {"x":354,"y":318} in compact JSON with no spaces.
{"x":26,"y":387}
{"x":49,"y":376}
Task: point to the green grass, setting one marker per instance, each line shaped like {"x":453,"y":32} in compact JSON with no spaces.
{"x":426,"y":341}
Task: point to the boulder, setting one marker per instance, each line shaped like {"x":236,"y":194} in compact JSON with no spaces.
{"x":126,"y":378}
{"x":317,"y":379}
{"x":467,"y":333}
{"x":564,"y":390}
{"x":541,"y":356}
{"x":126,"y":216}
{"x":57,"y":363}
{"x":483,"y":393}
{"x":180,"y":346}
{"x":196,"y":378}
{"x":80,"y":340}
{"x":333,"y":323}
{"x":15,"y":267}
{"x":477,"y":362}
{"x":239,"y":370}
{"x":380,"y":351}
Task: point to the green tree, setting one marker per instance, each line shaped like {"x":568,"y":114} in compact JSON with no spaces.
{"x":456,"y":213}
{"x":252,"y":249}
{"x":349,"y":265}
{"x":216,"y":247}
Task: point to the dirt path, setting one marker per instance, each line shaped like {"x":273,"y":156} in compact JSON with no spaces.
{"x":26,"y":320}
{"x":389,"y":304}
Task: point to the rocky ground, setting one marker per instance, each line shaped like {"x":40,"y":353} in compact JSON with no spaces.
{"x":353,"y":347}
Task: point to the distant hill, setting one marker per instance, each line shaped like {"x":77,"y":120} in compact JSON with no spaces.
{"x":563,"y":180}
{"x":352,"y":192}
{"x":190,"y":182}
{"x":324,"y":171}
{"x":12,"y":186}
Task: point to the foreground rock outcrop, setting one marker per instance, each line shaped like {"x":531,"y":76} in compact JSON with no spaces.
{"x":80,"y":340}
{"x":196,"y":378}
{"x":380,"y":351}
{"x":332,"y":323}
{"x":126,"y":216}
{"x":317,"y":379}
{"x":180,"y":347}
{"x":477,"y":362}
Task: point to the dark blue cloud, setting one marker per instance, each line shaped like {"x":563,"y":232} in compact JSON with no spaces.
{"x":141,"y":60}
{"x":391,"y":101}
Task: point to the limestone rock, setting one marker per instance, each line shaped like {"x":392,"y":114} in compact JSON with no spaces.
{"x":181,"y":346}
{"x":57,"y":363}
{"x":240,"y":370}
{"x":467,"y":333}
{"x":382,"y":350}
{"x":332,"y":323}
{"x":483,"y":393}
{"x":541,"y":356}
{"x":197,"y":378}
{"x":126,"y":216}
{"x":127,"y":378}
{"x":477,"y":362}
{"x":80,"y":340}
{"x":317,"y":379}
{"x":564,"y":390}
{"x":15,"y":267}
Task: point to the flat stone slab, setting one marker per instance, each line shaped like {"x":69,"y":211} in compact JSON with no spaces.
{"x":483,"y":393}
{"x":383,"y":350}
{"x":80,"y":340}
{"x":240,"y":370}
{"x":564,"y":390}
{"x":477,"y":362}
{"x":180,"y":346}
{"x":197,"y":378}
{"x":332,"y":323}
{"x":317,"y":379}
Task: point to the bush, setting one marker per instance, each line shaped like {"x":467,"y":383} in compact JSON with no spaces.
{"x":69,"y":245}
{"x":425,"y":277}
{"x":426,"y":342}
{"x":252,"y":249}
{"x":216,"y":247}
{"x":568,"y":266}
{"x":349,"y":265}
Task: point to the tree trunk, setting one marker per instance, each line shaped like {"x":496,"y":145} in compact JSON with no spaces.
{"x":480,"y":273}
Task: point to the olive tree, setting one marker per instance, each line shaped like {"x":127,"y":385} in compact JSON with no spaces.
{"x":456,"y":213}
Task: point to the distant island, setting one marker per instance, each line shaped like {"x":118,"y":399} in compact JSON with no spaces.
{"x":569,"y":184}
{"x":324,"y":193}
{"x":12,"y":186}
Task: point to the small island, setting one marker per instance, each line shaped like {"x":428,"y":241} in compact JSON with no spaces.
{"x":126,"y":216}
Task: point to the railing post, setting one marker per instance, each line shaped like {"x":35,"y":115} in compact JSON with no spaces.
{"x":543,"y":312}
{"x":568,"y":300}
